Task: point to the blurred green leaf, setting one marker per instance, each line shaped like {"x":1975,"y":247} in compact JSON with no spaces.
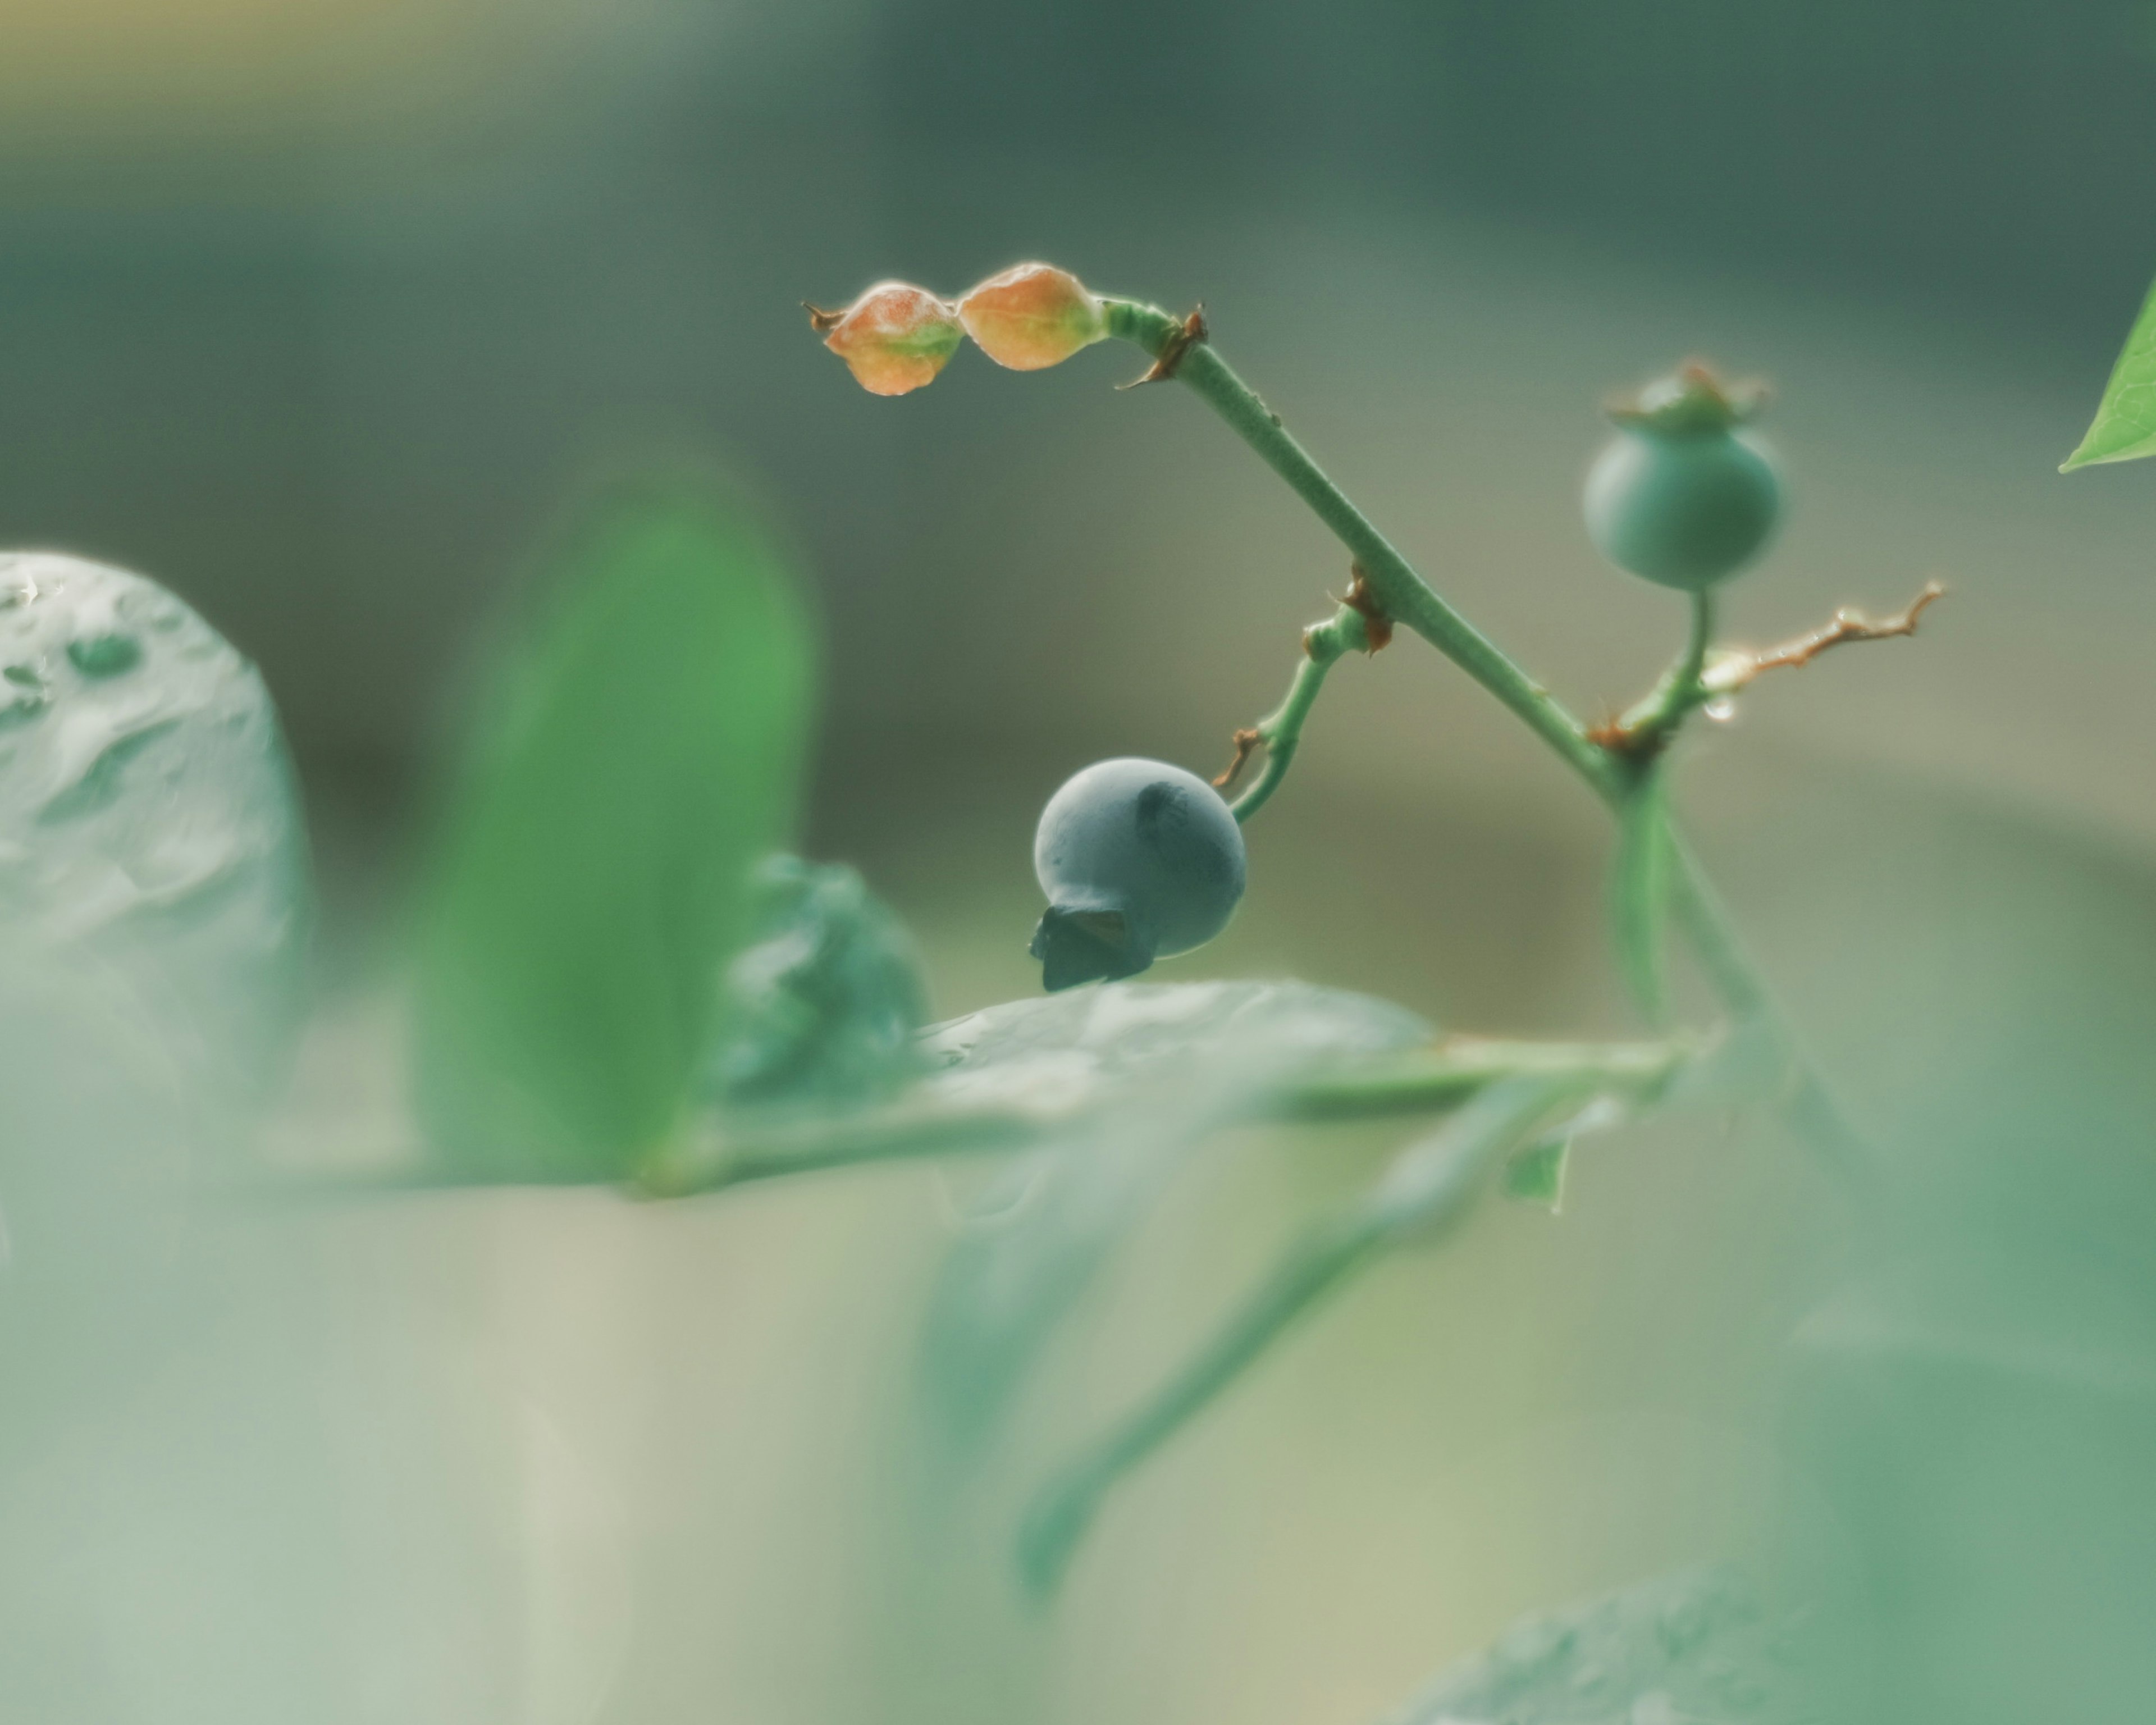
{"x":1696,"y":1646}
{"x":150,"y":827}
{"x":826,"y":1000}
{"x":2125,"y":423}
{"x":1535,"y":1174}
{"x":1167,"y":1066}
{"x":1640,"y":898}
{"x":1065,"y":1050}
{"x":640,"y":754}
{"x":1423,"y":1192}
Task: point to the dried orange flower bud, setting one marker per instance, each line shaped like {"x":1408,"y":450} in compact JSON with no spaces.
{"x":1031,"y":315}
{"x":896,"y":337}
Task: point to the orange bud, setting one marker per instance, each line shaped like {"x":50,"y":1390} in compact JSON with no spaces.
{"x":896,"y":337}
{"x":1032,"y":315}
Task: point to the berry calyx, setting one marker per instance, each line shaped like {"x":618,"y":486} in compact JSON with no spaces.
{"x":1140,"y":860}
{"x":1683,"y":495}
{"x":1032,"y":315}
{"x":895,"y":338}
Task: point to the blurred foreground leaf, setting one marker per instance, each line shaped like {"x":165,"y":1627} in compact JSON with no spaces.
{"x":639,"y":755}
{"x":1059,"y":1051}
{"x":826,"y":1000}
{"x":1175,"y":1064}
{"x":1423,"y":1192}
{"x":1680,"y":1650}
{"x":1535,"y":1174}
{"x":2125,"y":422}
{"x":150,"y":831}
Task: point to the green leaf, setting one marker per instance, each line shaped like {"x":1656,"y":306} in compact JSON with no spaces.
{"x":2125,"y":423}
{"x":1696,"y":1645}
{"x":825,"y":1002}
{"x":1426,"y":1190}
{"x":1161,"y":1067}
{"x":640,"y":754}
{"x":1072,"y":1048}
{"x":1639,"y":898}
{"x":1535,"y":1174}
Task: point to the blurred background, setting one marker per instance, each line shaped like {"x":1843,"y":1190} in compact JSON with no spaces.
{"x":316,"y":313}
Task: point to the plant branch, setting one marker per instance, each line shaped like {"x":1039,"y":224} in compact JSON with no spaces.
{"x":1731,"y":671}
{"x":1410,"y":599}
{"x":1394,"y":582}
{"x":1427,"y":1188}
{"x":1280,"y":732}
{"x":1645,"y":729}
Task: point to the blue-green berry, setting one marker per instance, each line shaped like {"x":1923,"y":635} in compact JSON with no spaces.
{"x":1140,"y":860}
{"x":1683,"y":495}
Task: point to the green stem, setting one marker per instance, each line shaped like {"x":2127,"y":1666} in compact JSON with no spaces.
{"x":1403,"y":594}
{"x":1427,"y":1187}
{"x":1712,"y":934}
{"x":1281,"y":731}
{"x":1647,"y":727}
{"x":1410,"y":599}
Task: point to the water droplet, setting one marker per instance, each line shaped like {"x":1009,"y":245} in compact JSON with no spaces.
{"x":1533,"y":1649}
{"x":1655,"y":1708}
{"x":105,"y":656}
{"x":151,"y":609}
{"x":1721,"y":708}
{"x":23,"y":695}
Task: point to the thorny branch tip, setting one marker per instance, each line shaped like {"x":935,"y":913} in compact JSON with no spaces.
{"x":1733,"y":671}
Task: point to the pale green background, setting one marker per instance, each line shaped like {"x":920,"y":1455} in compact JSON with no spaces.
{"x":314,"y":312}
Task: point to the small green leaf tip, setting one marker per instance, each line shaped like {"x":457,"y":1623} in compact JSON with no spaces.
{"x":2124,"y":428}
{"x":1535,"y":1174}
{"x":1693,"y":397}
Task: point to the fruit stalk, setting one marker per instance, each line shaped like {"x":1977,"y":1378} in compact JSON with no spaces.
{"x":1280,"y":732}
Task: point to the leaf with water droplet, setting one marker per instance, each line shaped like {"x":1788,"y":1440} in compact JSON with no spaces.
{"x":827,"y":998}
{"x":109,"y":654}
{"x":640,"y":754}
{"x":1700,"y":1645}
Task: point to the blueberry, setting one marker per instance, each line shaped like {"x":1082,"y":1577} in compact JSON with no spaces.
{"x":1140,"y":860}
{"x":1680,"y":496}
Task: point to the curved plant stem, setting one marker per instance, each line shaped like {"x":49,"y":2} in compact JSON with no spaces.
{"x":1280,"y":732}
{"x":1428,"y":1186}
{"x":1697,"y":642}
{"x":1647,"y":727}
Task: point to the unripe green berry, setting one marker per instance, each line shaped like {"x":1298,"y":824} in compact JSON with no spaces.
{"x":1139,"y":860}
{"x":1681,"y":496}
